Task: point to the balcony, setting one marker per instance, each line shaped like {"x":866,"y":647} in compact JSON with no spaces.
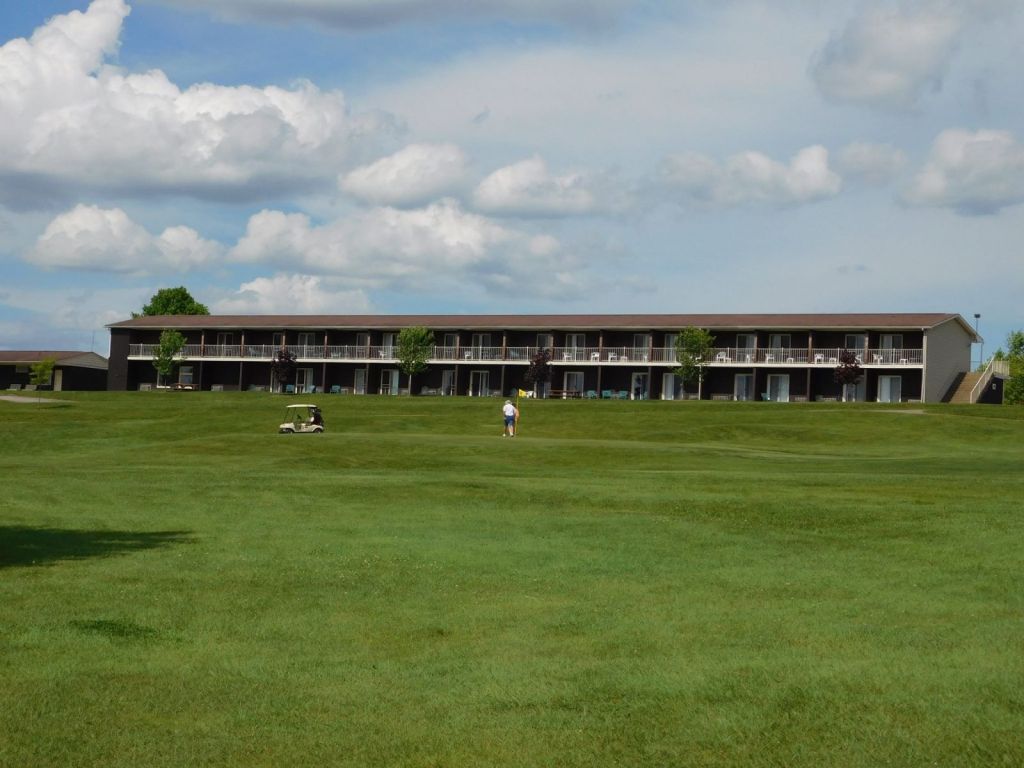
{"x":826,"y":357}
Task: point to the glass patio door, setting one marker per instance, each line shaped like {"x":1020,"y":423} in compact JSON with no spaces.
{"x":479,"y":383}
{"x":746,"y":343}
{"x":668,"y":386}
{"x":573,"y":382}
{"x":481,"y":345}
{"x":778,"y":388}
{"x":638,"y":387}
{"x":743,"y":386}
{"x":359,"y":384}
{"x":448,"y":382}
{"x":389,"y":381}
{"x":303,"y":379}
{"x":890,"y":389}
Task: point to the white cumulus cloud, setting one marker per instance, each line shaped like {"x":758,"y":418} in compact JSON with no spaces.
{"x":528,"y":188}
{"x":414,"y":175}
{"x":107,"y":240}
{"x":292,"y":294}
{"x":394,"y":248}
{"x":750,"y":177}
{"x":977,"y":172}
{"x":70,"y":117}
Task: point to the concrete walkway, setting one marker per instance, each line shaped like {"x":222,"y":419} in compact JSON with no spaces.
{"x":23,"y":399}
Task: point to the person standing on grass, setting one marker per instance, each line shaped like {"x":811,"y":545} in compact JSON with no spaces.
{"x":511,"y":414}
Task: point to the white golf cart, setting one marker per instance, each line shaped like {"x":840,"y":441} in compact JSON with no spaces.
{"x":302,"y":418}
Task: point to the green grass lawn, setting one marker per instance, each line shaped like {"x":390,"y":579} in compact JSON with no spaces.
{"x":623,"y":584}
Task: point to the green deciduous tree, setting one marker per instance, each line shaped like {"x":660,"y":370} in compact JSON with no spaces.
{"x":173,"y":301}
{"x":415,"y":346}
{"x":41,"y":373}
{"x":165,"y":358}
{"x":1013,"y":390}
{"x":693,"y":350}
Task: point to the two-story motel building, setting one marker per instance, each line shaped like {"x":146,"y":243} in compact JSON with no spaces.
{"x":779,"y":357}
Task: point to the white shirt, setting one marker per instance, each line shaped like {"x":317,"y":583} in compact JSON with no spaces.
{"x":508,"y":409}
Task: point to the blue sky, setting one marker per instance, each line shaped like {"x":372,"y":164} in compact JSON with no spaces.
{"x":346,"y":156}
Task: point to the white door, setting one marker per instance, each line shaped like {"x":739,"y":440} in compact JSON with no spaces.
{"x":359,"y":384}
{"x":890,"y":389}
{"x":778,"y":388}
{"x":668,"y":386}
{"x":743,"y":386}
{"x":58,"y":380}
{"x":389,"y":381}
{"x":479,"y":383}
{"x":638,"y":387}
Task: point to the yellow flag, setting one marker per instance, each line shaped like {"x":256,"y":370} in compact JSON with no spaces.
{"x":523,"y":393}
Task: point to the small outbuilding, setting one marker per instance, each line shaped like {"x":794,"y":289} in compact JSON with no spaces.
{"x":74,"y":370}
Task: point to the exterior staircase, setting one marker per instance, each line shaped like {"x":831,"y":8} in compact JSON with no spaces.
{"x":960,"y":391}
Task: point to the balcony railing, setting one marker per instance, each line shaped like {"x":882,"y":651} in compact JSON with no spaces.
{"x":621,"y":356}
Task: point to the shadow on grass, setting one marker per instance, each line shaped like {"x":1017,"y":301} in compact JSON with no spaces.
{"x":22,"y":545}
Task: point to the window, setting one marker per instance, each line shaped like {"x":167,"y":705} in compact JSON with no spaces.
{"x":892,"y":341}
{"x":362,"y":339}
{"x":185,"y":375}
{"x":279,"y":339}
{"x":545,"y":340}
{"x":307,"y":339}
{"x":225,"y":339}
{"x":780,"y":341}
{"x":855,"y":341}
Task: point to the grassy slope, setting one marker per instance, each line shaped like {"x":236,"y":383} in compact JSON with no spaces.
{"x":623,"y":584}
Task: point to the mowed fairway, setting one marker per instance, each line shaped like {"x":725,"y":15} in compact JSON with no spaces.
{"x":623,"y":584}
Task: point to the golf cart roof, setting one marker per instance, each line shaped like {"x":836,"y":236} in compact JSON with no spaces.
{"x":302,"y":405}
